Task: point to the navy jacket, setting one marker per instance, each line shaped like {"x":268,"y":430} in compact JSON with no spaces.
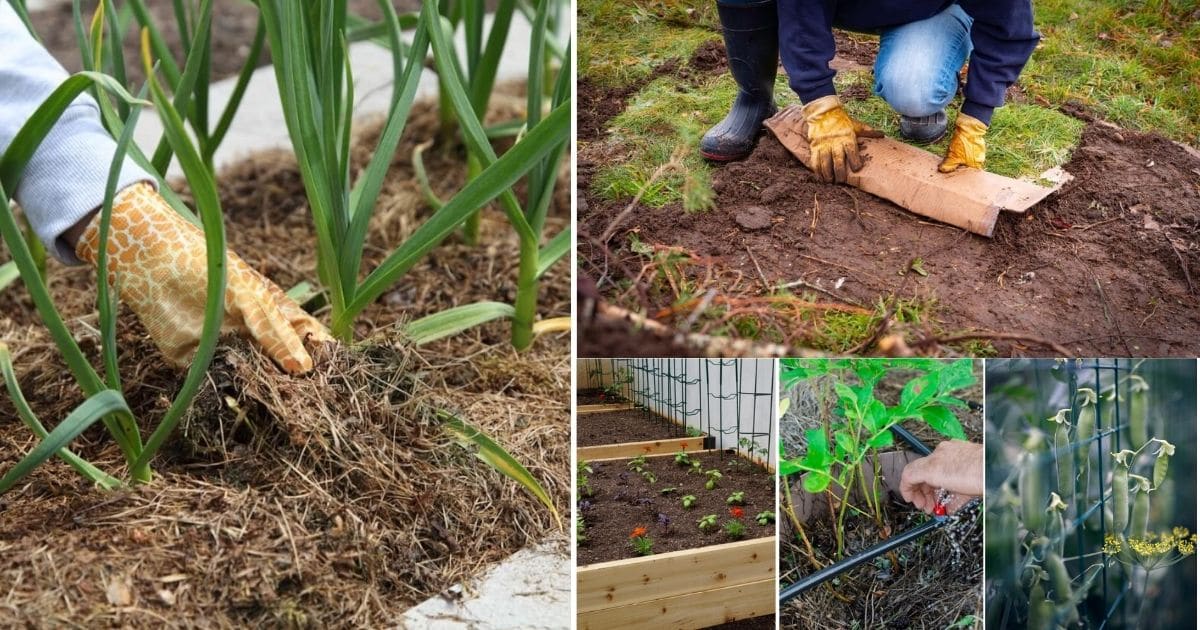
{"x":1002,"y":35}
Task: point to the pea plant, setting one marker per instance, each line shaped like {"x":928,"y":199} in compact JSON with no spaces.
{"x":1071,"y":508}
{"x":861,"y":425}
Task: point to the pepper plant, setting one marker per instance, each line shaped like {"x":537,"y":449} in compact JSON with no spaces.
{"x":862,"y":424}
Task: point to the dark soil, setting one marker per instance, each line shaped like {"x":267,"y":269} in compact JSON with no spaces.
{"x":1108,"y":266}
{"x":764,"y":622}
{"x":624,"y":500}
{"x":619,"y":427}
{"x":233,"y":26}
{"x":597,"y":397}
{"x":330,"y":500}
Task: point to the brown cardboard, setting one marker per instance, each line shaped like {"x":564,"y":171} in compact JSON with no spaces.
{"x":907,"y":176}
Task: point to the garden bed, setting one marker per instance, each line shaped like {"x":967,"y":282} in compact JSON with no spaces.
{"x":333,"y":499}
{"x":597,"y":397}
{"x":1108,"y":266}
{"x":694,"y":579}
{"x":624,"y":426}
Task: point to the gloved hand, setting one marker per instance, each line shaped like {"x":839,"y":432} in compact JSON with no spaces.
{"x":966,"y":145}
{"x":158,"y":260}
{"x":833,"y":138}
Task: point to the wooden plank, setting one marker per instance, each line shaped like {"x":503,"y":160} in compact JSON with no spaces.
{"x":582,"y":409}
{"x":653,"y":455}
{"x":633,"y":449}
{"x":632,"y":581}
{"x":689,"y":611}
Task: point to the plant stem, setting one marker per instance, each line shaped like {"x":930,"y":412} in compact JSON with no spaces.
{"x":790,"y":510}
{"x":527,"y":294}
{"x":471,"y":225}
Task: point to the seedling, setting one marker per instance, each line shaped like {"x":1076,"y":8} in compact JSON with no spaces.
{"x":637,"y":464}
{"x":664,"y":522}
{"x":765,"y":517}
{"x":697,"y":467}
{"x":648,"y":475}
{"x":689,"y":501}
{"x":707,"y":522}
{"x":737,"y":498}
{"x":668,"y":490}
{"x":580,"y":530}
{"x":713,"y":476}
{"x":863,"y":423}
{"x":681,"y":458}
{"x":642,"y":544}
{"x":735,"y":529}
{"x":694,"y":432}
{"x":582,"y":485}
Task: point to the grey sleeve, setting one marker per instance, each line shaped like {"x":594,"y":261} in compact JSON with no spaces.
{"x":66,"y":176}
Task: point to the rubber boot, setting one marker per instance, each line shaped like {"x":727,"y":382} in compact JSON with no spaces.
{"x":923,"y":129}
{"x":752,"y":47}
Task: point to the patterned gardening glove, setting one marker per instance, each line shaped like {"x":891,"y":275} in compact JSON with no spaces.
{"x":966,"y":145}
{"x":159,"y":260}
{"x":833,"y":139}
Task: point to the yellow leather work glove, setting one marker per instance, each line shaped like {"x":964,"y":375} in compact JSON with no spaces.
{"x":833,"y":138}
{"x":966,"y":145}
{"x":159,"y":260}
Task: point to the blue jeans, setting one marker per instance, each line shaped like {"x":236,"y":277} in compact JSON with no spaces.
{"x":916,"y":70}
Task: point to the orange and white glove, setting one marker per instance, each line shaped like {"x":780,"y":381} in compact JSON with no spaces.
{"x":159,"y":262}
{"x":966,"y":145}
{"x":833,"y":139}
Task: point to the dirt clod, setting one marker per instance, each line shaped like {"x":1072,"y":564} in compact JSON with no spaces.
{"x":753,"y":218}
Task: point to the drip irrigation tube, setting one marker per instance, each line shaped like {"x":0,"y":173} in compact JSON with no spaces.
{"x":880,"y":548}
{"x":871,"y":553}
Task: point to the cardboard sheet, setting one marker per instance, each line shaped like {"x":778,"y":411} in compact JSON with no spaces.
{"x":908,"y":177}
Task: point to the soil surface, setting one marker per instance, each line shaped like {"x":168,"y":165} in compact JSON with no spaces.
{"x":619,"y":427}
{"x":597,"y":397}
{"x":1108,"y":266}
{"x":623,"y":500}
{"x":329,"y":500}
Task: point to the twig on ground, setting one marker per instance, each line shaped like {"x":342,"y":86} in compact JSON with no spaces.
{"x":700,"y":308}
{"x":761,"y":275}
{"x":674,"y":163}
{"x":816,"y":209}
{"x":808,"y":285}
{"x":1182,"y":263}
{"x":1058,"y":349}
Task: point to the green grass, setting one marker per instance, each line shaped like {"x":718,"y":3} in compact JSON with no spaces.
{"x":1134,"y":63}
{"x":624,"y":41}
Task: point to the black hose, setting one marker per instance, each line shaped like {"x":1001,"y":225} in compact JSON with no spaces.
{"x":871,"y":553}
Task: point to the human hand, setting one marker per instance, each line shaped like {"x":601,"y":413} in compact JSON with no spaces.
{"x":833,"y":139}
{"x":955,"y":466}
{"x":159,"y":262}
{"x":966,"y":147}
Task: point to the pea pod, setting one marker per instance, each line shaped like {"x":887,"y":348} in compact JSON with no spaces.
{"x":1055,"y":530}
{"x":1085,"y":430}
{"x":1032,"y":483}
{"x":1161,"y":461}
{"x":1041,"y":610}
{"x":1141,"y":514}
{"x":1062,"y":454}
{"x":1137,"y":411}
{"x":1000,"y":545}
{"x":1120,"y":492}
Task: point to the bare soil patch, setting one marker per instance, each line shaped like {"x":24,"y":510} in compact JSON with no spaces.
{"x":333,"y":499}
{"x":624,"y":500}
{"x":619,"y":427}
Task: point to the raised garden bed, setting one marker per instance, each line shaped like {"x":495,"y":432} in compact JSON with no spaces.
{"x":629,"y":433}
{"x":694,"y":579}
{"x":597,"y":397}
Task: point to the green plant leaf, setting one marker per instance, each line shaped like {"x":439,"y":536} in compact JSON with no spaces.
{"x":876,"y":416}
{"x":8,"y":274}
{"x":494,"y":455}
{"x":881,"y":439}
{"x":957,"y":375}
{"x":942,"y":420}
{"x":93,"y":410}
{"x":552,"y":251}
{"x":918,"y":391}
{"x":815,"y":482}
{"x":844,"y":442}
{"x":455,"y":320}
{"x":817,"y":457}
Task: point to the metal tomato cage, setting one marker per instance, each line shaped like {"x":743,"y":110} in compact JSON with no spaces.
{"x":729,"y":400}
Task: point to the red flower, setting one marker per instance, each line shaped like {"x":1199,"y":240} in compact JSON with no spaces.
{"x":736,"y":512}
{"x":638,"y":532}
